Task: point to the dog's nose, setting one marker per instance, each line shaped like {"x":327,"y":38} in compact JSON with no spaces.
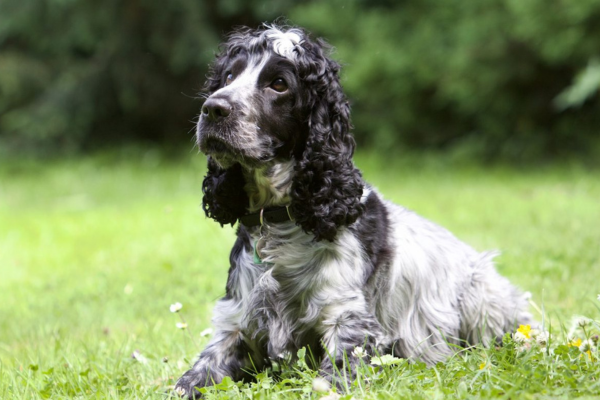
{"x":216,"y":108}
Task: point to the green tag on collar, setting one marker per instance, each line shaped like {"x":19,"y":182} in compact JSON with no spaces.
{"x":257,"y":259}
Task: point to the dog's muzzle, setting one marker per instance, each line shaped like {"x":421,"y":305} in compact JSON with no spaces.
{"x":214,"y":118}
{"x":216,"y":109}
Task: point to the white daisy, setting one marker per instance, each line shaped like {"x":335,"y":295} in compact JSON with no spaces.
{"x":519,"y":337}
{"x":542,"y":338}
{"x":181,"y":325}
{"x":586,"y":345}
{"x":206,"y":332}
{"x":320,"y":385}
{"x":175,"y":308}
{"x":359,"y":352}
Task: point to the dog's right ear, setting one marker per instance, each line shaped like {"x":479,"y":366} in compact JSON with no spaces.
{"x":224,"y":197}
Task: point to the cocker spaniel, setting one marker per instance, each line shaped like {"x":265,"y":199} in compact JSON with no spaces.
{"x":321,"y":259}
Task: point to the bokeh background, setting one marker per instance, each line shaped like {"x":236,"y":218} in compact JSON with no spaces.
{"x":507,"y":79}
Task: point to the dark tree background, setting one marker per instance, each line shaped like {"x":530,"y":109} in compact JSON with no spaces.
{"x":510,"y":78}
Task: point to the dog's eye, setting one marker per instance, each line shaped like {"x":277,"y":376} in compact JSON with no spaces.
{"x":279,"y":85}
{"x":229,"y":79}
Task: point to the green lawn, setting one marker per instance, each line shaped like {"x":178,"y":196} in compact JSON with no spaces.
{"x":93,"y":251}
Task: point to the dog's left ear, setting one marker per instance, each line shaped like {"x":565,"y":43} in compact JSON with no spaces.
{"x":224,"y":197}
{"x":327,"y":189}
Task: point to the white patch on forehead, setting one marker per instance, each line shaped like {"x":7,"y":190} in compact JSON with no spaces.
{"x":241,"y":88}
{"x":284,"y":42}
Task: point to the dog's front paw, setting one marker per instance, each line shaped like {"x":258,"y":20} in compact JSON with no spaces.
{"x":339,"y":375}
{"x":190,"y":383}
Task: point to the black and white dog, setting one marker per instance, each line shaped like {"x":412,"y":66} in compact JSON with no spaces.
{"x":320,"y":259}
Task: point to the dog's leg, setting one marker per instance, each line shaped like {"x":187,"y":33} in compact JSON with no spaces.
{"x":491,"y":305}
{"x":345,"y":327}
{"x":229,"y":353}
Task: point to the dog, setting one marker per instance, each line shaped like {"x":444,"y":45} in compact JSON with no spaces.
{"x":321,"y":260}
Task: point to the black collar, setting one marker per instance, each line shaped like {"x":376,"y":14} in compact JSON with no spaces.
{"x":272,"y":215}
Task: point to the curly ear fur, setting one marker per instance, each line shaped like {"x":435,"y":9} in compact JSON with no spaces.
{"x":224,"y":197}
{"x":326,"y":189}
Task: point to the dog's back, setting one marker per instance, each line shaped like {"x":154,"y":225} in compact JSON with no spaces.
{"x":439,"y":292}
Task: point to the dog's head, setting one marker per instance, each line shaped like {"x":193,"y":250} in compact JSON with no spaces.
{"x":256,"y":112}
{"x":273,"y":96}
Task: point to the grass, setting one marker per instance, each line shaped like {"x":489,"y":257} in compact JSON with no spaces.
{"x":93,"y":251}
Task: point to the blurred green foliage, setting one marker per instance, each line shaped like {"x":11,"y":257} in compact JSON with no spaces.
{"x":482,"y":74}
{"x":510,"y":78}
{"x":80,"y":73}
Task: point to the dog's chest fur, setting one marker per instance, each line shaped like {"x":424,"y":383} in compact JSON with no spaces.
{"x":301,"y":286}
{"x":284,"y":301}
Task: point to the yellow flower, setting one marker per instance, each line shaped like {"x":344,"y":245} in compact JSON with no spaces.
{"x":525,"y":330}
{"x":482,"y":365}
{"x":575,"y":343}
